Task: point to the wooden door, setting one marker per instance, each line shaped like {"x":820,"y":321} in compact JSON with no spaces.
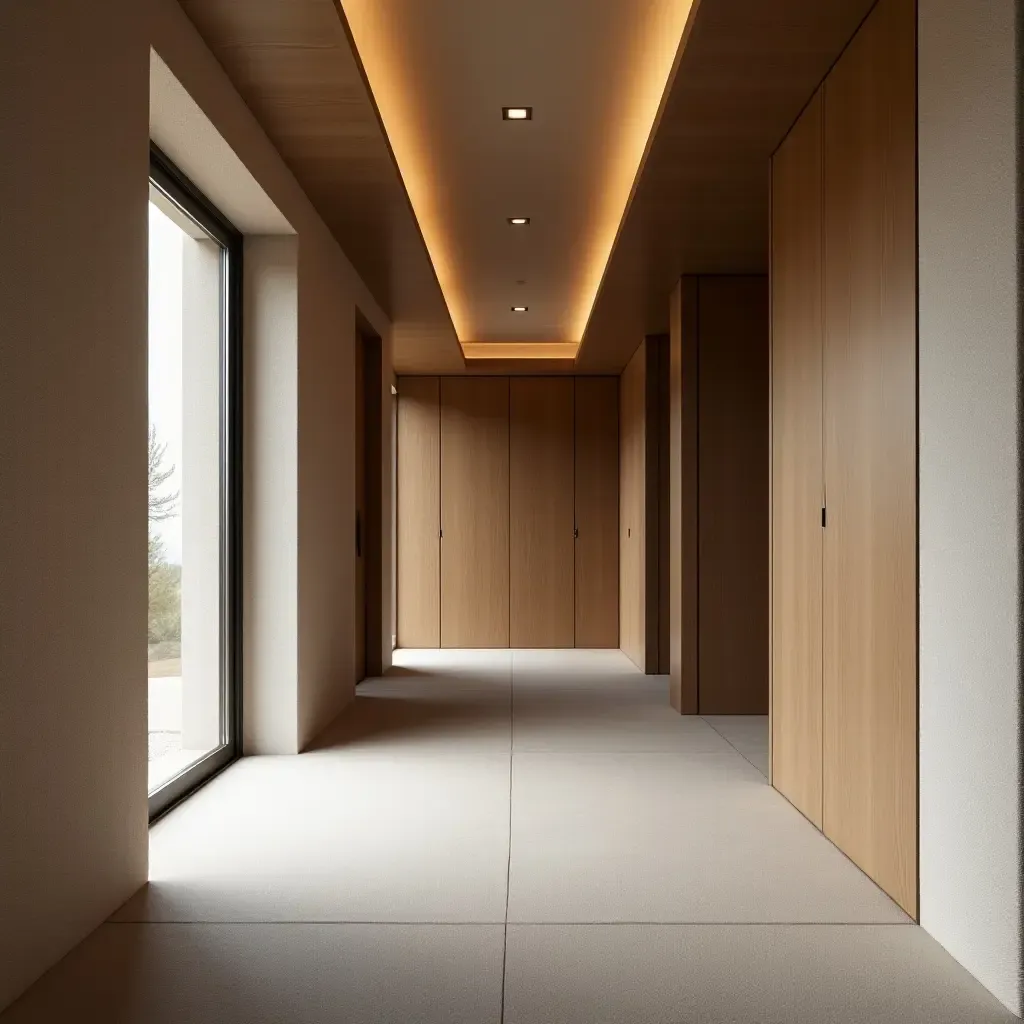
{"x":870,"y":626}
{"x":632,"y":507}
{"x":419,"y":512}
{"x":541,"y":512}
{"x":597,"y":511}
{"x":360,"y":502}
{"x":797,"y":483}
{"x":474,"y":512}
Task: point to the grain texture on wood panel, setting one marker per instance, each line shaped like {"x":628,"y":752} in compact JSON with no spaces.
{"x":474,"y":512}
{"x":870,"y":670}
{"x":371,"y":539}
{"x":797,"y":484}
{"x":419,"y":512}
{"x":683,"y":633}
{"x":654,"y":439}
{"x":359,"y":602}
{"x":664,"y":511}
{"x":632,"y":545}
{"x":733,"y":495}
{"x":541,"y":512}
{"x":597,"y":511}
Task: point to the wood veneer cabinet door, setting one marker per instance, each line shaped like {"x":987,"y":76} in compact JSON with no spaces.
{"x":870,"y":670}
{"x":541,"y":512}
{"x":683,"y":476}
{"x":597,"y":511}
{"x":474,"y":512}
{"x":419,"y":512}
{"x":797,"y":482}
{"x":632,"y":507}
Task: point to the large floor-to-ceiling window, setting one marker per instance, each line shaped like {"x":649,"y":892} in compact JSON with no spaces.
{"x":194,"y":487}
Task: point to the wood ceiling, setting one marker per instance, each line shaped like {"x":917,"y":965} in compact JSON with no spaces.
{"x":700,"y":203}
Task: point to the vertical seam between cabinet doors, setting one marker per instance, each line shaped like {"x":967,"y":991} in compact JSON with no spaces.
{"x":440,"y":522}
{"x":508,"y":476}
{"x":917,"y":475}
{"x":822,"y":328}
{"x":771,"y":473}
{"x":696,"y":515}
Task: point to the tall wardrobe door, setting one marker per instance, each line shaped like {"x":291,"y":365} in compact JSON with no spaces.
{"x":597,"y":511}
{"x":474,"y":512}
{"x":870,"y":672}
{"x":419,"y":513}
{"x":541,"y":511}
{"x":797,"y":484}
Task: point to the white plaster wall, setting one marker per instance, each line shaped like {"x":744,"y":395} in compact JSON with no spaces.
{"x":270,"y":513}
{"x":73,"y":419}
{"x":970,"y":753}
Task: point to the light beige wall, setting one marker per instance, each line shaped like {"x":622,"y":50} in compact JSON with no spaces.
{"x":326,"y":475}
{"x":270,"y":515}
{"x":971,"y":506}
{"x":73,"y":384}
{"x":74,"y":88}
{"x":310,"y":649}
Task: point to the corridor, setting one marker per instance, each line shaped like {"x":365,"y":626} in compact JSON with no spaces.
{"x":517,"y":836}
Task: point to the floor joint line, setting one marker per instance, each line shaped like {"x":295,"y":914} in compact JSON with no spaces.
{"x":731,"y":744}
{"x":508,"y":868}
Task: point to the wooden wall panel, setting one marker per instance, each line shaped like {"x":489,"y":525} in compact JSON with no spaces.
{"x":655,"y":440}
{"x":419,"y":512}
{"x":597,"y":511}
{"x":359,"y":596}
{"x":870,"y":670}
{"x":797,"y":483}
{"x":377,"y":631}
{"x":541,"y":517}
{"x":733,"y":495}
{"x":474,"y":512}
{"x":683,"y":633}
{"x":632,"y":544}
{"x":664,"y":511}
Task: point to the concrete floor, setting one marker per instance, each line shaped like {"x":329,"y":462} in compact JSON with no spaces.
{"x":516,"y":837}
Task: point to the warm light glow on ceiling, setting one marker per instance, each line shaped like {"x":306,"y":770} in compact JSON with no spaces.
{"x":651,"y":64}
{"x":397,"y":97}
{"x":518,"y":221}
{"x":647,"y":61}
{"x":520,"y":309}
{"x":520,"y":349}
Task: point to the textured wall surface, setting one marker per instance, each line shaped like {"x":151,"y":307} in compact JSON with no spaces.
{"x":73,"y":280}
{"x":970,"y":756}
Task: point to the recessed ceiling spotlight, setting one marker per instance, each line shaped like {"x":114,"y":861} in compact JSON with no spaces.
{"x":520,"y":309}
{"x":517,"y":113}
{"x":519,"y":220}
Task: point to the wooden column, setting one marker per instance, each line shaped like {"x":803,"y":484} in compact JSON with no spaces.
{"x":683,"y":632}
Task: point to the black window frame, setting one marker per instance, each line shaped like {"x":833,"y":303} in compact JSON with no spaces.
{"x":182,"y":193}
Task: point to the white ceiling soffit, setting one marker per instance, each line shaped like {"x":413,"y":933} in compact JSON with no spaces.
{"x":594,"y":72}
{"x":179,"y":127}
